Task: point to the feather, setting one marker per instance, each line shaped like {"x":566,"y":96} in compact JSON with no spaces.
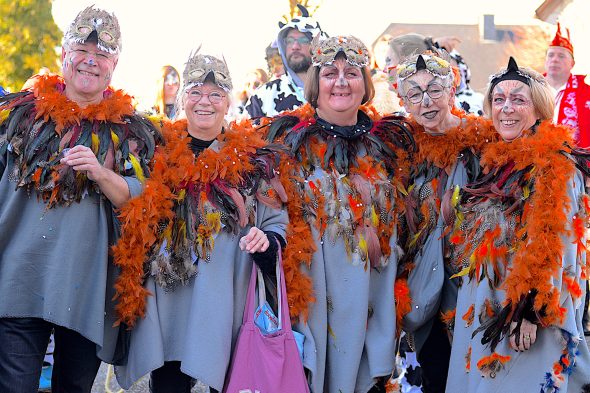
{"x":268,"y":201}
{"x":278,"y":187}
{"x":446,"y":206}
{"x":373,"y":246}
{"x":280,"y":126}
{"x":241,"y":207}
{"x":115,"y":139}
{"x":136,"y":168}
{"x":95,"y":143}
{"x":496,"y":328}
{"x":362,"y":187}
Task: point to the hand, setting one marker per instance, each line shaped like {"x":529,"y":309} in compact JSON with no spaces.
{"x":81,"y":158}
{"x":448,"y":43}
{"x":527,"y":337}
{"x":254,"y":241}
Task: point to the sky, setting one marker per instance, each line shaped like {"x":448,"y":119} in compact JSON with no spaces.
{"x":156,"y":33}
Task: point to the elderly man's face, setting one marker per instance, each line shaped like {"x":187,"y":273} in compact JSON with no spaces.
{"x":297,"y":50}
{"x":558,"y":62}
{"x":87,"y":70}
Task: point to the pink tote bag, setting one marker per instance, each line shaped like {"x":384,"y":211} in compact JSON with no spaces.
{"x":266,"y":363}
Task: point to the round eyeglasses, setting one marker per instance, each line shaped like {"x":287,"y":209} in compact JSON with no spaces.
{"x":214,"y":97}
{"x":416,"y":94}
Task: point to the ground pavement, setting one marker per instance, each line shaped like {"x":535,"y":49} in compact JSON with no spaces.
{"x":141,"y":386}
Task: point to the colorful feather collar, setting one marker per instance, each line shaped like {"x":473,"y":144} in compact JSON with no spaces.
{"x":380,"y":154}
{"x":531,"y":174}
{"x":539,"y":259}
{"x":38,"y":123}
{"x":52,"y":103}
{"x":435,"y":157}
{"x":443,"y":151}
{"x":221,"y":177}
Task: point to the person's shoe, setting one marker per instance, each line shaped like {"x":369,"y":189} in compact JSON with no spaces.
{"x":45,"y":379}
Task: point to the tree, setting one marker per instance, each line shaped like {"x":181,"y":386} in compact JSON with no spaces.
{"x":28,"y":41}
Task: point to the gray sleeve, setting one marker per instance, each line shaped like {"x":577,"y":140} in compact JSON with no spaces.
{"x":134,"y":185}
{"x":269,"y":219}
{"x":425,"y":283}
{"x":573,"y":263}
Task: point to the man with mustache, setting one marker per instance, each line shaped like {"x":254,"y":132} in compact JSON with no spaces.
{"x":286,"y":92}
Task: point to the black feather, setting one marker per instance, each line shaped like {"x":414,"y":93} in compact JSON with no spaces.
{"x":496,"y":328}
{"x":280,"y":126}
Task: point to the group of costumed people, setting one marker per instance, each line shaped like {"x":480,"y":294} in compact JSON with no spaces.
{"x":384,"y":223}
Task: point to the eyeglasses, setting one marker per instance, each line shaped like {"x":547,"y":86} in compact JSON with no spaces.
{"x":214,"y":97}
{"x":303,"y":40}
{"x":416,"y":94}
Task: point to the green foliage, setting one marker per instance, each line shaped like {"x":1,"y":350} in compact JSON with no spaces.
{"x":29,"y":39}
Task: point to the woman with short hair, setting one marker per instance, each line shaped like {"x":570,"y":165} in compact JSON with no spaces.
{"x":343,"y":181}
{"x":520,"y":240}
{"x":188,"y":239}
{"x":448,"y":142}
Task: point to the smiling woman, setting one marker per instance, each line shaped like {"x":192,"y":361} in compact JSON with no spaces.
{"x":343,"y":178}
{"x":206,"y":212}
{"x":515,"y":105}
{"x":449,"y":143}
{"x":521,"y":243}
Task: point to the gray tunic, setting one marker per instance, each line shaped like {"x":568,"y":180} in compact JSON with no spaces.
{"x":197,"y":323}
{"x":350,"y":331}
{"x":54,"y":262}
{"x":526,"y":371}
{"x":430,"y":286}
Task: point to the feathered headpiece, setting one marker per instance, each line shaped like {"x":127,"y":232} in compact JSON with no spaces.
{"x":324,"y":51}
{"x":427,"y":61}
{"x":104,"y":23}
{"x":198,"y":67}
{"x":561,"y":41}
{"x":512,"y":72}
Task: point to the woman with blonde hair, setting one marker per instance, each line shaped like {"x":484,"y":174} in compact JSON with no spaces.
{"x":168,"y":85}
{"x":520,"y":242}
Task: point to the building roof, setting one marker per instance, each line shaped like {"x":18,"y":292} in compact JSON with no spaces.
{"x":527,"y":44}
{"x":550,"y":10}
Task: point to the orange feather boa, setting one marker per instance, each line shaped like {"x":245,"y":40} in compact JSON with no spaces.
{"x":174,"y":165}
{"x":538,"y":258}
{"x":51,"y":102}
{"x":473,"y":133}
